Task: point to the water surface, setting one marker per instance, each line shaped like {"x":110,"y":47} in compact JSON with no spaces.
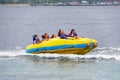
{"x":18,"y":24}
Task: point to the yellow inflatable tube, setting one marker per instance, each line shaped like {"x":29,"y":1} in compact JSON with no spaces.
{"x":63,"y":46}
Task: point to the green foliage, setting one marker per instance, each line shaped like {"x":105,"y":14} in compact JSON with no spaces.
{"x":46,"y":1}
{"x":35,"y":1}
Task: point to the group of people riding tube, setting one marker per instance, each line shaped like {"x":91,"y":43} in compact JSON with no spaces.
{"x":61,"y":34}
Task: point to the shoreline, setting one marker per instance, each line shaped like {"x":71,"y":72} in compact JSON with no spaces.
{"x":52,"y":5}
{"x":15,"y":5}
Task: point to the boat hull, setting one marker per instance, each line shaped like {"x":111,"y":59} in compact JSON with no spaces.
{"x":62,"y":46}
{"x":66,"y":51}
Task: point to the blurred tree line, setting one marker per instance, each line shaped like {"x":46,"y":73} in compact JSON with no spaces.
{"x":48,"y":1}
{"x":40,"y":1}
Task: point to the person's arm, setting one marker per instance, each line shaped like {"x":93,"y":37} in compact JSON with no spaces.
{"x":58,"y":34}
{"x":63,"y":36}
{"x":34,"y":42}
{"x":75,"y":34}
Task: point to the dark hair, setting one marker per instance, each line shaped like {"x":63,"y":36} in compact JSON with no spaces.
{"x":34,"y":36}
{"x":43,"y":36}
{"x":59,"y":32}
{"x":53,"y":36}
{"x":59,"y":29}
{"x":72,"y":30}
{"x":45,"y":33}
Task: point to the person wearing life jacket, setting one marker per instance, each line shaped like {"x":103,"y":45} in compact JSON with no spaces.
{"x":73,"y":33}
{"x":36,"y":39}
{"x":45,"y":36}
{"x":61,"y":34}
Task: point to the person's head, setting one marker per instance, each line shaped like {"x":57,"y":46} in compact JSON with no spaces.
{"x":34,"y":37}
{"x":37,"y":37}
{"x":53,"y":36}
{"x":45,"y":34}
{"x":60,"y":30}
{"x":73,"y":31}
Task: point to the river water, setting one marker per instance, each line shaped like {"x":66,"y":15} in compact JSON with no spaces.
{"x":19,"y":23}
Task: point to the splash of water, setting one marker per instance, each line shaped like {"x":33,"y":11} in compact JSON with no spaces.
{"x":98,"y":53}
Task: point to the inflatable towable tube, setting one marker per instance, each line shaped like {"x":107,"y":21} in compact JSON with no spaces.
{"x":63,"y":46}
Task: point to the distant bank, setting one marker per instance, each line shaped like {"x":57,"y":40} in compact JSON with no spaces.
{"x":15,"y":5}
{"x":61,"y":2}
{"x":73,"y":3}
{"x":56,"y":5}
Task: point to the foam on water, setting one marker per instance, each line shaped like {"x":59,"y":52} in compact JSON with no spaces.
{"x":98,"y":53}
